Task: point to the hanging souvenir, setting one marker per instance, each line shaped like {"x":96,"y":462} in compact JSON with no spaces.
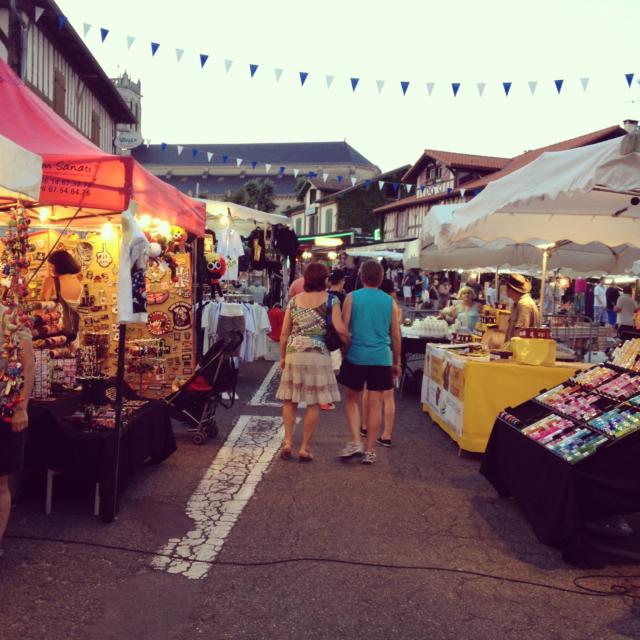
{"x":216,"y":267}
{"x":159,"y":323}
{"x":84,"y":254}
{"x":181,"y":316}
{"x":103,"y":257}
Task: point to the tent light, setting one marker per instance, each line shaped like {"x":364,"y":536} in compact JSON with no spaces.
{"x":163,"y":227}
{"x":44,"y":213}
{"x":108,"y":231}
{"x":332,"y":255}
{"x":306,"y":255}
{"x":145,"y":221}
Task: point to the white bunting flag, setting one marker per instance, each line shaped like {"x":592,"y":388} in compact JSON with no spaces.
{"x":227,"y":65}
{"x":179,"y":54}
{"x":380,"y":184}
{"x":130,"y":41}
{"x":267,"y":167}
{"x":278,"y":73}
{"x":430,"y":86}
{"x":353,"y":181}
{"x":296,"y":172}
{"x":40,"y":11}
{"x":209,"y":156}
{"x":533,"y":85}
{"x":409,"y":187}
{"x":380,"y":85}
{"x":481,"y":86}
{"x":238,"y":161}
{"x":325,"y":177}
{"x":329,"y":81}
{"x":584,"y":82}
{"x":180,"y":149}
{"x":86,"y":27}
{"x":462,"y":192}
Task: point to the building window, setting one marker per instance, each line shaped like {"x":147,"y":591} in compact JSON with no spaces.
{"x":298,"y":226}
{"x":439,"y":173}
{"x":415,"y":222}
{"x":312,"y":224}
{"x":312,"y":195}
{"x":328,"y":221}
{"x":95,"y":128}
{"x":59,"y":93}
{"x":390,"y":226}
{"x":432,"y":173}
{"x":401,"y":229}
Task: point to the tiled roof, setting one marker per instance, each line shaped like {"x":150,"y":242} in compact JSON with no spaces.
{"x":450,"y":159}
{"x":511,"y":166}
{"x":219,"y":185}
{"x":276,"y":153}
{"x":529,"y":156}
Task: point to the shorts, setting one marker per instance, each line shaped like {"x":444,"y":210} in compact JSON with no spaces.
{"x":425,"y":295}
{"x":406,"y":292}
{"x":11,"y":449}
{"x":355,"y":376}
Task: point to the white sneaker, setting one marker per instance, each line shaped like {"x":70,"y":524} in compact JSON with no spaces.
{"x":351,"y":449}
{"x":369,"y":457}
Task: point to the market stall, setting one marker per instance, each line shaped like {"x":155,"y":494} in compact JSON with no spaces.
{"x":463,"y":390}
{"x":580,"y":441}
{"x":78,"y":210}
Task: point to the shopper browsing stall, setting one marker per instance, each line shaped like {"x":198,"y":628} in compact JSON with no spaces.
{"x":625,"y":308}
{"x":525,"y":312}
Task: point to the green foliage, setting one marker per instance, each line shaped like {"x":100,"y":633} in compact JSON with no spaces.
{"x":256,"y":194}
{"x":355,"y":209}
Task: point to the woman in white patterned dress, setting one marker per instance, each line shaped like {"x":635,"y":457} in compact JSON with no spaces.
{"x":307,"y":374}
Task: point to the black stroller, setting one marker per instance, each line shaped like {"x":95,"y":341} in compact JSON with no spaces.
{"x":213,"y":383}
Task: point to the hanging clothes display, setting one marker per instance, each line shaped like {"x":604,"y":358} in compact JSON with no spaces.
{"x":134,"y":257}
{"x":257,"y":249}
{"x":230,"y":246}
{"x":286,"y":244}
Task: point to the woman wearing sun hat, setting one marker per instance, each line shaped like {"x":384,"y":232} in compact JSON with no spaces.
{"x":525,"y":312}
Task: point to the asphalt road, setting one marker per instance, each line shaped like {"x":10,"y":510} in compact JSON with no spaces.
{"x":313,"y":551}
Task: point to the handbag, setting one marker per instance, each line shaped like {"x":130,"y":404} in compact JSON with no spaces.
{"x":331,"y":337}
{"x":69,"y":317}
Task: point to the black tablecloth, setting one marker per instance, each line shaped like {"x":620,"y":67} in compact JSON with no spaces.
{"x":57,"y":444}
{"x":557,"y":497}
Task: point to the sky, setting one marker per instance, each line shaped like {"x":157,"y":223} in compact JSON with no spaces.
{"x":419,"y":42}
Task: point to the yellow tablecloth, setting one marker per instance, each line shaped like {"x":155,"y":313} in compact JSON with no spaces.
{"x":491,"y":387}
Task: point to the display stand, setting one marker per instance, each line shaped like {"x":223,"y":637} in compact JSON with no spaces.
{"x":569,"y":455}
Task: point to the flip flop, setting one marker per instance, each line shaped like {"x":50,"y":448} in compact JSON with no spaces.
{"x":285,"y":453}
{"x":304,"y":455}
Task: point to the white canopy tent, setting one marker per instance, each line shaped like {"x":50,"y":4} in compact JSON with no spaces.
{"x":364,"y":252}
{"x":20,"y":172}
{"x":242,"y":219}
{"x":585,"y":194}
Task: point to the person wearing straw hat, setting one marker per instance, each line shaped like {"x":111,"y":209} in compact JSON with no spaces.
{"x":525,"y":312}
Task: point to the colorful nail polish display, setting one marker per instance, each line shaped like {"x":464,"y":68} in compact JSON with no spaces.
{"x":618,"y":422}
{"x":545,"y":430}
{"x":573,"y":401}
{"x":577,"y":444}
{"x":592,"y":378}
{"x":624,"y":386}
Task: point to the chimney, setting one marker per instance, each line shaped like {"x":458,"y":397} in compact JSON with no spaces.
{"x":630,"y":126}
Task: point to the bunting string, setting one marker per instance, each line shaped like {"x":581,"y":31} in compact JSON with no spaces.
{"x":403,"y":87}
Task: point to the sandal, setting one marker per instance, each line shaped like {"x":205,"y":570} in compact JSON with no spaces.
{"x":285,"y":452}
{"x":304,"y":455}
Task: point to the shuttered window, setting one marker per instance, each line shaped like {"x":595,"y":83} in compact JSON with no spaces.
{"x":59,"y":93}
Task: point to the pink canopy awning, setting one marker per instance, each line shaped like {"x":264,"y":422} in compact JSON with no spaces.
{"x":76,"y":173}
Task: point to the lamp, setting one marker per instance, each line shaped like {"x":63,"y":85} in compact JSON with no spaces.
{"x":108,"y":231}
{"x":328,"y":242}
{"x":44,"y":213}
{"x":332,"y":255}
{"x":306,"y":255}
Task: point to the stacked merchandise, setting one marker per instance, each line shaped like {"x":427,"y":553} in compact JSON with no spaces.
{"x":592,"y":411}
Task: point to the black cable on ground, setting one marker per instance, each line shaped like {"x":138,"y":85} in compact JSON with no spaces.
{"x":630,"y":591}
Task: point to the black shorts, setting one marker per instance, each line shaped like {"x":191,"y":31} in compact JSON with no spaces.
{"x":355,"y":376}
{"x":11,"y":449}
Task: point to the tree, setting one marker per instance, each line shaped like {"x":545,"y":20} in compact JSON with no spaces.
{"x":256,"y":194}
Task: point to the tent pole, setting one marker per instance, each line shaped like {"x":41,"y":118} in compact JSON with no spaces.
{"x":497,"y":285}
{"x":543,"y":275}
{"x":112,"y":509}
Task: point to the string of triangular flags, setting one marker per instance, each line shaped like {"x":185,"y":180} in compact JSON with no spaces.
{"x":282,"y":170}
{"x":450,"y":88}
{"x":345,"y":181}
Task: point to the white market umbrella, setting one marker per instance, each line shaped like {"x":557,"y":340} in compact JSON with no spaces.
{"x":586,"y":194}
{"x":243,"y":219}
{"x":20,"y":172}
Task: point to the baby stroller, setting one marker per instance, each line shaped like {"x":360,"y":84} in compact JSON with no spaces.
{"x":197,"y":400}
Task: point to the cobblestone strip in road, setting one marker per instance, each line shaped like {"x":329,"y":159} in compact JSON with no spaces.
{"x":266,"y":389}
{"x":222,"y":494}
